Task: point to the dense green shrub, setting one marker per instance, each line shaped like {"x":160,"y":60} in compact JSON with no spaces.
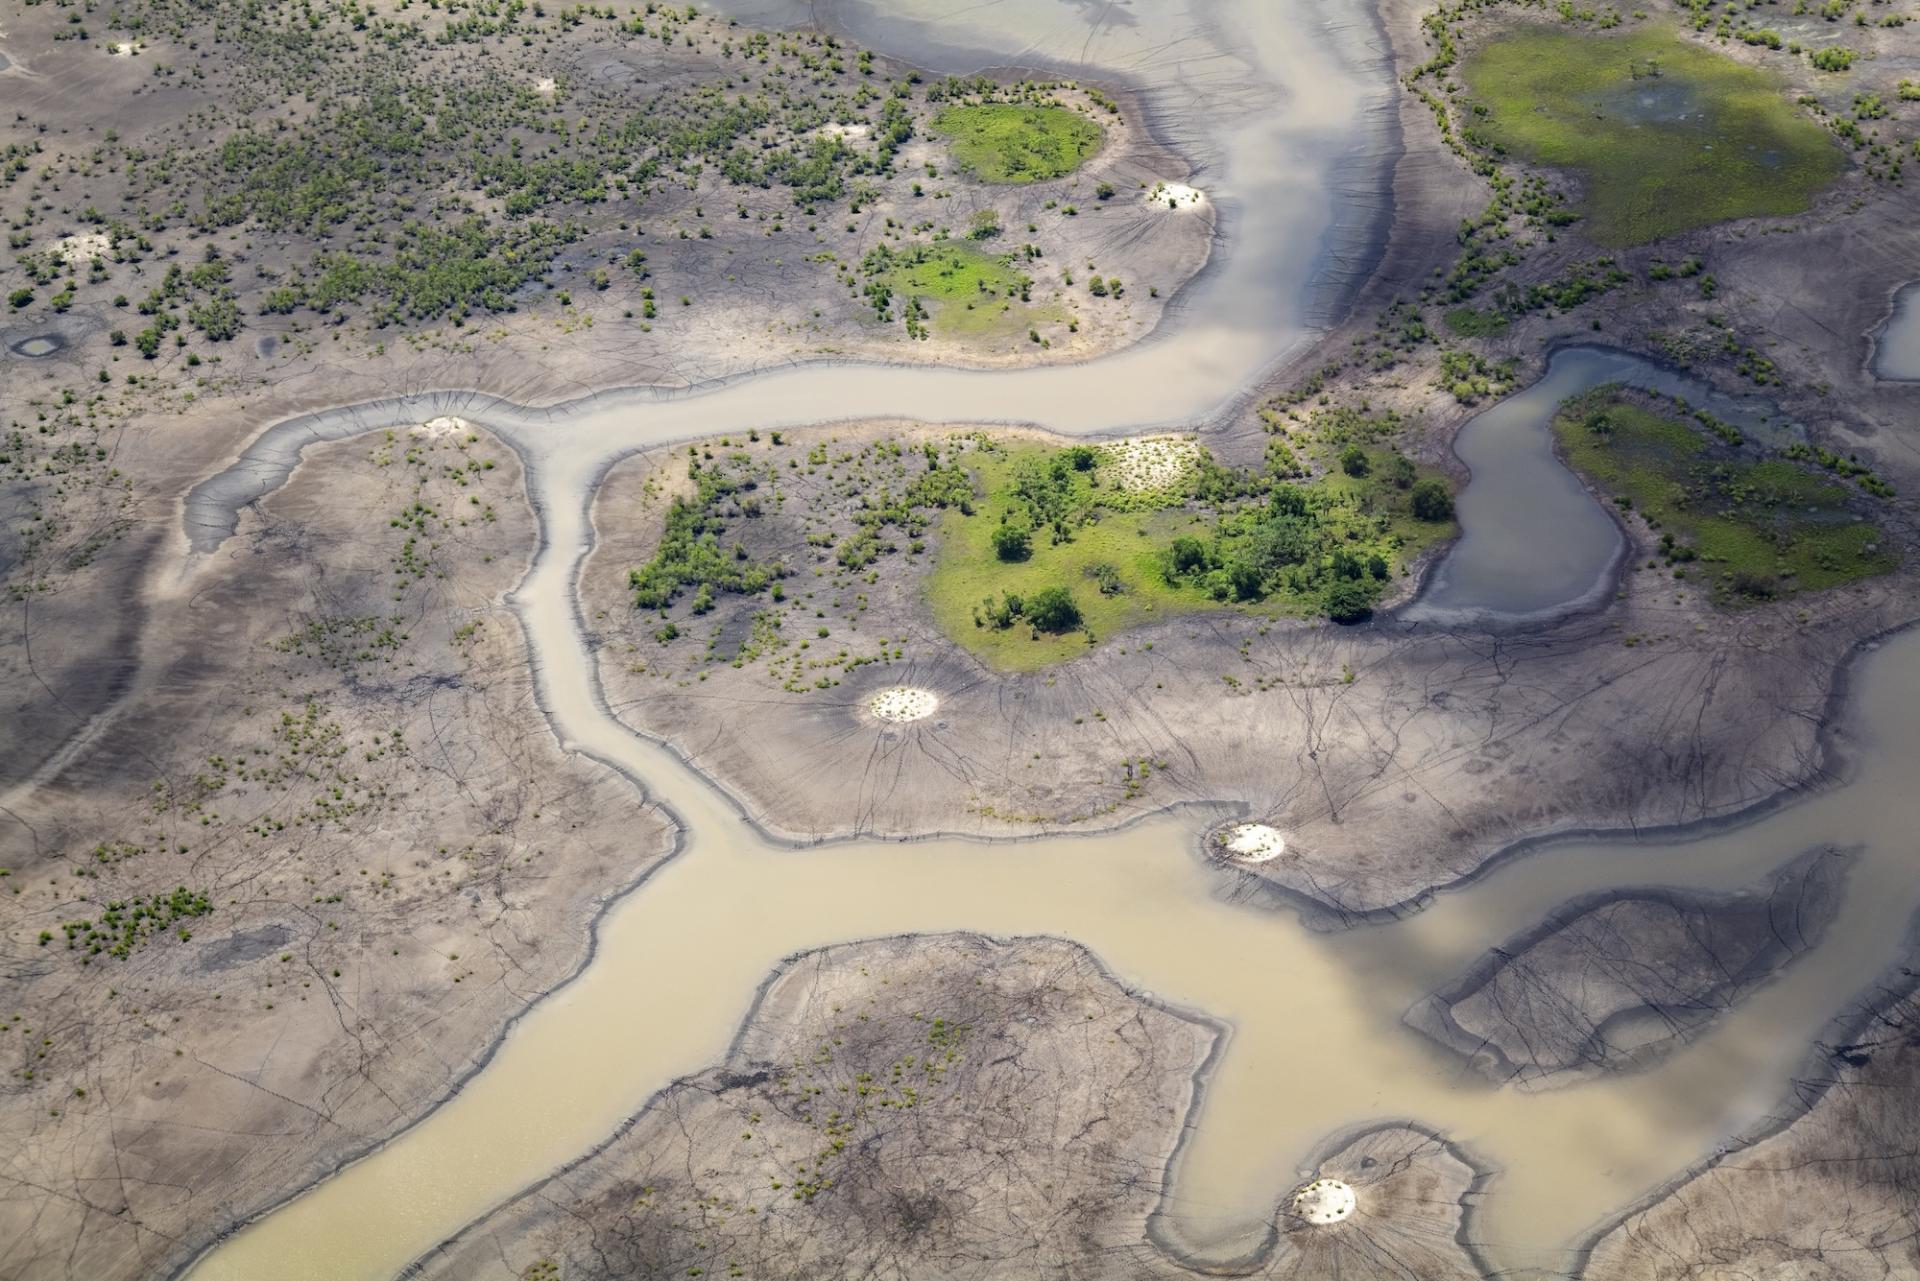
{"x":1052,"y":609}
{"x":1430,"y":500}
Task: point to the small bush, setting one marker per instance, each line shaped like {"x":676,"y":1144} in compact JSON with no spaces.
{"x":1349,"y":600}
{"x":1431,"y":501}
{"x":1013,"y":543}
{"x":1052,"y":609}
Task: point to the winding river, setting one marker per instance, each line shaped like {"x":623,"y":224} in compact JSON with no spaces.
{"x":1311,"y":1016}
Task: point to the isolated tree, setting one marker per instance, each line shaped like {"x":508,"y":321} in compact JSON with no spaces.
{"x":1053,"y":609}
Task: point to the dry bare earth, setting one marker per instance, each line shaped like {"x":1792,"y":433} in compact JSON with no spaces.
{"x":948,"y":1106}
{"x":395,"y":856}
{"x":1442,"y":750}
{"x":764,"y":287}
{"x":1833,"y":1196}
{"x":71,"y":639}
{"x":1616,"y":981}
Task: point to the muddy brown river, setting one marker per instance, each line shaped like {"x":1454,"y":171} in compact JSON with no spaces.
{"x":1316,"y":1043}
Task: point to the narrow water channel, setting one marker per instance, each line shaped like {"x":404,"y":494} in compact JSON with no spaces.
{"x":1317,"y":1041}
{"x":1314,"y":1018}
{"x":1533,"y":543}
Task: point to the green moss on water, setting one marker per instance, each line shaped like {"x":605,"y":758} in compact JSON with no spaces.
{"x":1664,"y":135}
{"x":1747,"y":527}
{"x":1008,"y":142}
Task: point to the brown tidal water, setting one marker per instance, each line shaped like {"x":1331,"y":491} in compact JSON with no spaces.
{"x":1316,"y":1041}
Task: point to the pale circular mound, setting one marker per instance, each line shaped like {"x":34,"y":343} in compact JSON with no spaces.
{"x":74,"y":250}
{"x":545,"y":84}
{"x":903,"y":703}
{"x":445,"y":425}
{"x":1149,"y":462}
{"x":1324,"y":1201}
{"x":847,"y":132}
{"x":1256,"y":842}
{"x":122,"y":49}
{"x":1174,"y":196}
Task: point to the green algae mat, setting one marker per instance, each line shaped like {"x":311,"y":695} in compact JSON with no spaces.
{"x":1664,"y":135}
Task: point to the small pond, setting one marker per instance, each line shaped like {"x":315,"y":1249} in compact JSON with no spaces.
{"x":1533,"y":541}
{"x":1896,"y":348}
{"x":38,"y":346}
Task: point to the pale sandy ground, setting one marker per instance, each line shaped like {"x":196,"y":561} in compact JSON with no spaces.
{"x":1455,"y":743}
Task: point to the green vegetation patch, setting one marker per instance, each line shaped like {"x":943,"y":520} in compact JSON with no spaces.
{"x":973,"y":293}
{"x":1057,"y":554}
{"x":1011,"y":142}
{"x":1665,"y":135}
{"x":1753,"y":527}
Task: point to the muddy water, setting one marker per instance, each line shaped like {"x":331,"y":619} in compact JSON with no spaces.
{"x":1285,"y":109}
{"x":1533,"y":542}
{"x":1896,"y":348}
{"x":1313,"y":1017}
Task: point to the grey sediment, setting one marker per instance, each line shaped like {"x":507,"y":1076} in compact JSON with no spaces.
{"x":1833,"y":770}
{"x":1434,"y":1016}
{"x":1812,"y":1079}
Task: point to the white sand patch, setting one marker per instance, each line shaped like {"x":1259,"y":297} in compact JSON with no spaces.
{"x":1173,"y":196}
{"x":1324,"y":1201}
{"x":846,"y":133}
{"x":122,"y":49}
{"x":445,"y":425}
{"x":1256,"y":843}
{"x":1149,"y":462}
{"x":546,"y":85}
{"x":903,"y":703}
{"x":84,"y":248}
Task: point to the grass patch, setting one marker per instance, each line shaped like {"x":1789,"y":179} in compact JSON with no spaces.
{"x":973,"y":294}
{"x":1008,"y":142}
{"x":1665,"y":135}
{"x":1477,"y":322}
{"x":1758,"y":527}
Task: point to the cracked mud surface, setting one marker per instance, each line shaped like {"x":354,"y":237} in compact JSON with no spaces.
{"x":331,"y":745}
{"x":1445,"y":748}
{"x":1831,"y":1196}
{"x":155,"y":1098}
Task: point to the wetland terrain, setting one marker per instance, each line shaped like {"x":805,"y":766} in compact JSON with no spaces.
{"x":919,"y":640}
